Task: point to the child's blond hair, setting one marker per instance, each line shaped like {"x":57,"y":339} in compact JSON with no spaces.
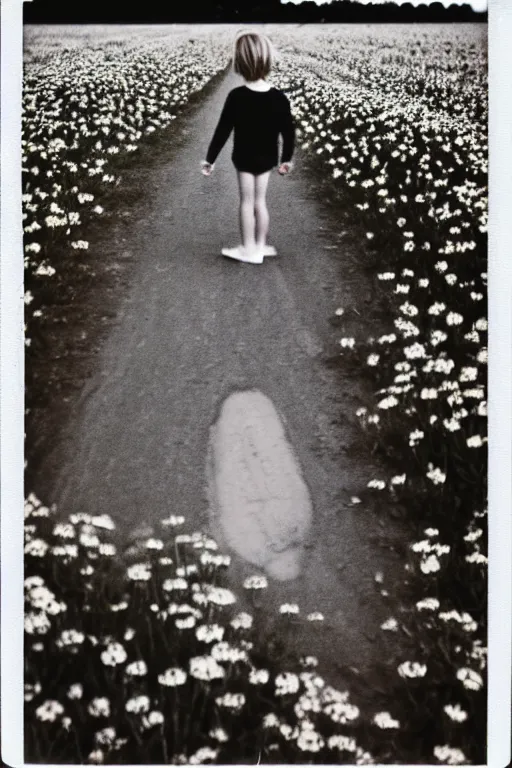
{"x":253,"y":55}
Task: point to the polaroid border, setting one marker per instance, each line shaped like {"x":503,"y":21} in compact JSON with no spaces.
{"x":500,"y":378}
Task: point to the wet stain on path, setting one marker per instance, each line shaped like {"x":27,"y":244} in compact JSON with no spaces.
{"x":257,"y":493}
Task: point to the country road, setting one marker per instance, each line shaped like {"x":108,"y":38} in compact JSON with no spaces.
{"x":195,"y":328}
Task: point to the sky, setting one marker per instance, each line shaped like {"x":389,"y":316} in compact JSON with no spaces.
{"x":477,"y":5}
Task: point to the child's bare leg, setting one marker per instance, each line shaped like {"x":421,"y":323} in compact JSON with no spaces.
{"x":247,"y":218}
{"x":260,"y":208}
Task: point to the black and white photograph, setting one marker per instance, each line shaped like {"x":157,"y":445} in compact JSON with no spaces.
{"x":255,"y":313}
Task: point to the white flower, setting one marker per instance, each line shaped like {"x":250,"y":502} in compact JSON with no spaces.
{"x":173,"y":677}
{"x":154,"y":718}
{"x":435,"y":474}
{"x":208,"y":633}
{"x":309,"y":740}
{"x":139,"y":572}
{"x":136,"y":668}
{"x":470,"y":679}
{"x":341,"y":712}
{"x":475,"y":441}
{"x":75,"y":692}
{"x":105,"y":737}
{"x":389,"y":338}
{"x":468,"y":373}
{"x":203,"y":755}
{"x":373,"y":359}
{"x":115,"y":654}
{"x":49,"y":711}
{"x":271,"y":721}
{"x":188,"y":623}
{"x":241,"y":621}
{"x":218,"y":595}
{"x":154,"y":544}
{"x":231,"y":701}
{"x":64,"y":531}
{"x":387,"y":402}
{"x":256,"y":582}
{"x":138,"y":705}
{"x":347,"y":342}
{"x":454,"y":318}
{"x":468,"y":623}
{"x":398,"y":479}
{"x":205,"y":668}
{"x":421,"y":546}
{"x":315,"y":616}
{"x":289,"y":609}
{"x":428,"y":604}
{"x":175,"y":584}
{"x":217,"y":561}
{"x":476,"y":557}
{"x":412,"y":669}
{"x":259,"y":676}
{"x":36,"y":548}
{"x":449,"y":755}
{"x":384,"y":720}
{"x":286,"y":682}
{"x":390,"y":624}
{"x":415,"y":351}
{"x":436,"y":308}
{"x":377,"y":484}
{"x":430,"y":564}
{"x":343,"y":743}
{"x":174,"y":520}
{"x":415,"y":437}
{"x":483,"y":356}
{"x":223,"y":651}
{"x":70,"y":637}
{"x":99,"y":707}
{"x":219,"y":734}
{"x":456,"y":713}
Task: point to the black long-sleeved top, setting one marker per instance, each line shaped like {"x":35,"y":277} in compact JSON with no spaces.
{"x":257,"y":117}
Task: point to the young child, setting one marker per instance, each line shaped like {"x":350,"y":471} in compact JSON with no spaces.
{"x":258,"y":113}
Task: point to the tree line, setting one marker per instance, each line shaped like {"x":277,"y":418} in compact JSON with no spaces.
{"x":235,"y":11}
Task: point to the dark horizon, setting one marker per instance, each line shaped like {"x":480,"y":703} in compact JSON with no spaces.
{"x":255,"y":11}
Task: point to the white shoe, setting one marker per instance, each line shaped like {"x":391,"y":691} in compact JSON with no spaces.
{"x":269,"y":250}
{"x":242,"y":254}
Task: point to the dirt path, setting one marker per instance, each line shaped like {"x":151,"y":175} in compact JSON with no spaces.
{"x":193,"y":329}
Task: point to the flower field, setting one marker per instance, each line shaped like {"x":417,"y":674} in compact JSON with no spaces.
{"x":153,"y":664}
{"x":398,"y":120}
{"x":91,"y":98}
{"x":149,"y":661}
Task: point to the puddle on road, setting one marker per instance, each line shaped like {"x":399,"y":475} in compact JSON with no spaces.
{"x":257,"y":496}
